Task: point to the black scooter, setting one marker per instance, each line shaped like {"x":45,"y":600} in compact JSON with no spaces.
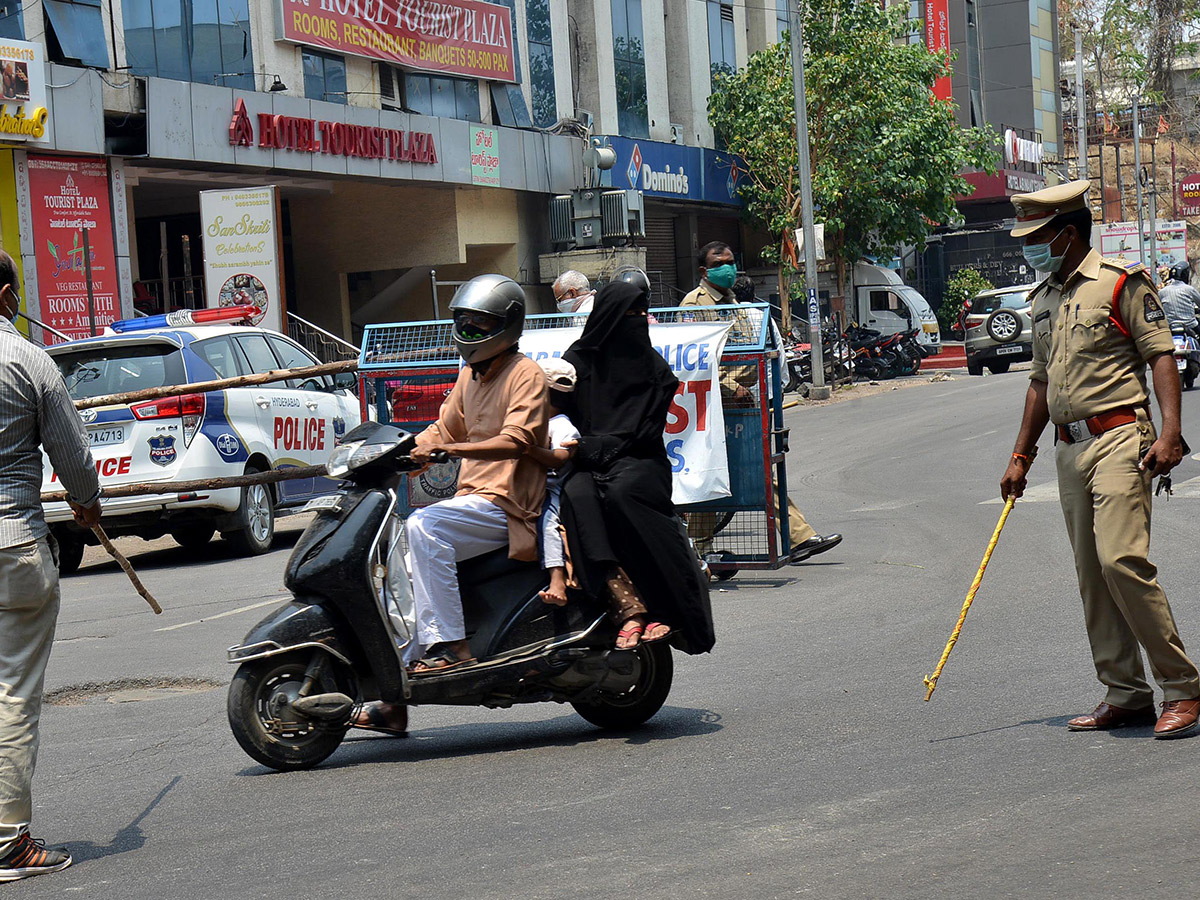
{"x":339,"y":642}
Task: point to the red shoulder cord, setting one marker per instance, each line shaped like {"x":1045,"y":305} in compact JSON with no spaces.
{"x":1116,"y":317}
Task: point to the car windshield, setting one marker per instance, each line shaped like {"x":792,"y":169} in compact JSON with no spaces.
{"x":95,"y":371}
{"x":1007,"y":300}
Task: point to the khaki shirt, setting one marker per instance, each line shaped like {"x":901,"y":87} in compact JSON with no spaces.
{"x":510,"y":399}
{"x":1088,"y":365}
{"x":731,"y":376}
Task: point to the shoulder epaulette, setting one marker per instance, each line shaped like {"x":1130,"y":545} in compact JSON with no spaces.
{"x":1119,"y":262}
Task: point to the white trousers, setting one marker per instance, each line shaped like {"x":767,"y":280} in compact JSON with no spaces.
{"x":439,"y":537}
{"x":553,"y":550}
{"x":28,"y":611}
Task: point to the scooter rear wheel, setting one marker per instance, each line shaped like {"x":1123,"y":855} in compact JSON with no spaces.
{"x":264,"y":723}
{"x":621,"y":712}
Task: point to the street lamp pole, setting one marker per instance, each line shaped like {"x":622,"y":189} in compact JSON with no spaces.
{"x":820,"y":391}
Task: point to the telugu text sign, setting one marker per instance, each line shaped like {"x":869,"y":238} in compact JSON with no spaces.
{"x":457,"y":37}
{"x":937,"y":40}
{"x":695,"y":432}
{"x":69,"y":194}
{"x":241,"y":251}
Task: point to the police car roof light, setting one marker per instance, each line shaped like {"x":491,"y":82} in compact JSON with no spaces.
{"x":182,"y":318}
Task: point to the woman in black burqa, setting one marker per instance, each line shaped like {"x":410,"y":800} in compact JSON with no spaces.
{"x":617,"y":505}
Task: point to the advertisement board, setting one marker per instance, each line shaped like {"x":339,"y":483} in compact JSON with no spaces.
{"x":674,"y":171}
{"x":23,"y":111}
{"x":68,"y":194}
{"x":241,"y":251}
{"x":695,"y":433}
{"x":455,"y":37}
{"x":1189,"y":196}
{"x":1120,"y":240}
{"x":485,"y":156}
{"x":937,"y":39}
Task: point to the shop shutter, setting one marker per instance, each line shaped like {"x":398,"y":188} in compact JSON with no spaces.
{"x":720,"y":228}
{"x":660,"y":258}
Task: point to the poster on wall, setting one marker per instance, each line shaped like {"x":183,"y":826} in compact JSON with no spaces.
{"x":1120,"y":240}
{"x":69,"y":194}
{"x":23,"y":111}
{"x":485,"y":156}
{"x":241,"y":251}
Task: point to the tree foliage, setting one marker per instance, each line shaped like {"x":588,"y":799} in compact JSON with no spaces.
{"x":887,"y":160}
{"x":961,"y":287}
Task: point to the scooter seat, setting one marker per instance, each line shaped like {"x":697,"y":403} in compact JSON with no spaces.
{"x":491,"y":566}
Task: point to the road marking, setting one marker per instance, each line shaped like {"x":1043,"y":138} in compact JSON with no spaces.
{"x":976,"y":437}
{"x":232,"y":612}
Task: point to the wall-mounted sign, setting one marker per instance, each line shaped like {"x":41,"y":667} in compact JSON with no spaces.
{"x":69,"y":194}
{"x":485,"y":156}
{"x":1189,"y":196}
{"x":23,"y":111}
{"x":241,"y":251}
{"x":673,"y":171}
{"x":1019,"y":150}
{"x":457,"y":37}
{"x":1120,"y":239}
{"x":335,"y":138}
{"x":937,"y":39}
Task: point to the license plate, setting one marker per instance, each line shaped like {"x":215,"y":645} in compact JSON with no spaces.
{"x":110,"y":434}
{"x":329,"y":501}
{"x":1005,"y":350}
{"x":1181,"y":364}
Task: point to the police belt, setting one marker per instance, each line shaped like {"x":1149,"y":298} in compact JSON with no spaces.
{"x":1086,"y":429}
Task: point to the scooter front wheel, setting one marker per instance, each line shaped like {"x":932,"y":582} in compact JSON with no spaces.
{"x":266,"y":725}
{"x":620,"y":712}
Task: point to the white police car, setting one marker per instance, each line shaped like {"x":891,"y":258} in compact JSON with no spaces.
{"x":197,"y":436}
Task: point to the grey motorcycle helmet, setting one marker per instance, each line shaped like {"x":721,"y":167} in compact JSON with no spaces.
{"x":1180,"y":272}
{"x":634,"y":276}
{"x":494,"y":295}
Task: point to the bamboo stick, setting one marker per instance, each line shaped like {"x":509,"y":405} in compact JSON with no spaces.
{"x":199,"y":484}
{"x":124,"y":564}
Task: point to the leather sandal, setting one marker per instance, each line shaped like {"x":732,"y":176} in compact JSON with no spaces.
{"x":438,"y":661}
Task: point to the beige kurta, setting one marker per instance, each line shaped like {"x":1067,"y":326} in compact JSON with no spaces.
{"x":509,"y":399}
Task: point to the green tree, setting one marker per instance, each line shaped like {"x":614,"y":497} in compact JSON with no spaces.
{"x":887,"y":161}
{"x":962,"y":286}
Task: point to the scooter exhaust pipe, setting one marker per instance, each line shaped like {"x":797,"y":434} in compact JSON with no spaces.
{"x":324,"y":707}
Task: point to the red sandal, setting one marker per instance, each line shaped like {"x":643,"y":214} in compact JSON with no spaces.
{"x":631,"y":631}
{"x":662,"y":637}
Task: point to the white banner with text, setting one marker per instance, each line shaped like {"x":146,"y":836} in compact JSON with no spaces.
{"x":241,"y":251}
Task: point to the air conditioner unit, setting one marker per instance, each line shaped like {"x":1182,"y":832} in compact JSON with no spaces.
{"x":561,"y":231}
{"x":676,"y":133}
{"x":623,"y":214}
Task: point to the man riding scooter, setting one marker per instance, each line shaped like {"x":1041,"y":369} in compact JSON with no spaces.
{"x":1179,"y":299}
{"x":494,"y":413}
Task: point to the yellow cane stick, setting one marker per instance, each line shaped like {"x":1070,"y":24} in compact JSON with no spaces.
{"x":931,"y":680}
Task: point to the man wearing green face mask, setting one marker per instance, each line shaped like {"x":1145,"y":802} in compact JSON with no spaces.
{"x":738,"y":383}
{"x":1097,"y":324}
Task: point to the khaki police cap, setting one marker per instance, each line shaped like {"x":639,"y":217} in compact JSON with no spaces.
{"x":1036,"y":209}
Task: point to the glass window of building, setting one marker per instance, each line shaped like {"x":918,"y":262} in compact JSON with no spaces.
{"x":11,"y":22}
{"x":722,"y":54}
{"x":75,"y":32}
{"x":541,"y":63}
{"x":205,"y":41}
{"x":633,"y":119}
{"x":324,"y":76}
{"x":435,"y":95}
{"x":974,"y":65}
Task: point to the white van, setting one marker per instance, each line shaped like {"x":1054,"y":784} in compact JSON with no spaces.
{"x":888,"y":305}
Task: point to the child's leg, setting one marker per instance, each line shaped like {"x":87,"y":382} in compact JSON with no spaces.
{"x":553,"y":557}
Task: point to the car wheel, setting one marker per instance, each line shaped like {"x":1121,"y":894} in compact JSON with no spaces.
{"x":195,"y":535}
{"x":70,"y":553}
{"x":256,"y":520}
{"x":1000,"y":367}
{"x":1003,"y":326}
{"x":974,"y":367}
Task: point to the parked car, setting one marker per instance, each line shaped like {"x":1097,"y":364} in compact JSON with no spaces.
{"x":998,"y":329}
{"x":217,"y":434}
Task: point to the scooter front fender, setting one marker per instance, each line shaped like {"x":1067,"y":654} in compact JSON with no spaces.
{"x":296,"y":625}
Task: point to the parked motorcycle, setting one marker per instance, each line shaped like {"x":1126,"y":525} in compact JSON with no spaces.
{"x":866,"y":354}
{"x":1187,"y":356}
{"x":340,"y":641}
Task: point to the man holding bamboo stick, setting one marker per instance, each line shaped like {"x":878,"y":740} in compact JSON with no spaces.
{"x":35,"y":411}
{"x":1097,"y":325}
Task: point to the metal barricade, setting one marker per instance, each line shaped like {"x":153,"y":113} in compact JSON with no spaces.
{"x":406,"y":370}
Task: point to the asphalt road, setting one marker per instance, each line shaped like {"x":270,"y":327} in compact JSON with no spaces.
{"x":798,"y":759}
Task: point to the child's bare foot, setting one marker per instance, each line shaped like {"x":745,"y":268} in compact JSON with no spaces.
{"x":556,"y":593}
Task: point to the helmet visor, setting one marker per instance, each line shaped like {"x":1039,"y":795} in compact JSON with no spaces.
{"x":472,"y":325}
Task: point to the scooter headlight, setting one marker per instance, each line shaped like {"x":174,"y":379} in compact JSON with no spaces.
{"x":353,"y":455}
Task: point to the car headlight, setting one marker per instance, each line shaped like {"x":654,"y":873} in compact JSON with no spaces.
{"x":351,"y":456}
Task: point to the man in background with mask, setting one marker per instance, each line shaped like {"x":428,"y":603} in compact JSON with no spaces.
{"x":573,"y":293}
{"x":1097,"y":323}
{"x":717,"y":275}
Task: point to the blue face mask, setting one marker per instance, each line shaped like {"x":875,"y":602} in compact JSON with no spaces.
{"x":1040,"y":257}
{"x":722,"y":276}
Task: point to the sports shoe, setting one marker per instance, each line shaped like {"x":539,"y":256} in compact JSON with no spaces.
{"x":29,"y":857}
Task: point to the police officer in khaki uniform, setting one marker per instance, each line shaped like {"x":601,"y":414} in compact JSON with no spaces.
{"x":738,"y":384}
{"x":1097,"y":323}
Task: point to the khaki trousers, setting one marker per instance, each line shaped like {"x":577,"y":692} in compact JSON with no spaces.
{"x":1106,"y":503}
{"x":28,"y":610}
{"x":700,"y":526}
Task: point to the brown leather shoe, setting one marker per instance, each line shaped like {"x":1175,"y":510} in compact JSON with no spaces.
{"x":1105,"y":717}
{"x":1179,"y":717}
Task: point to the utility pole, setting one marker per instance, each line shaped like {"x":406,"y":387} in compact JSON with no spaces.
{"x":820,"y":391}
{"x":1137,"y":175}
{"x":1154,"y":209}
{"x":1081,"y":167}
